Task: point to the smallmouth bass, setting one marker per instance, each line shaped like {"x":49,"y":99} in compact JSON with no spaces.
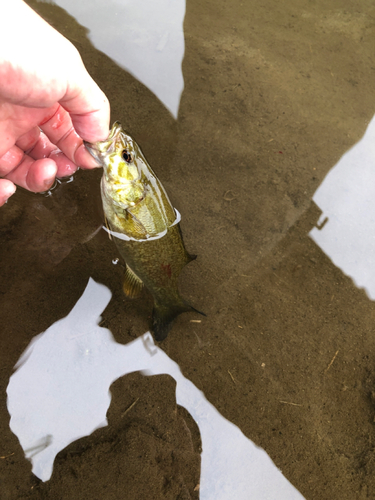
{"x":144,"y":226}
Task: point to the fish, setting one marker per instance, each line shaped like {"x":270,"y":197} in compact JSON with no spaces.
{"x":144,"y":225}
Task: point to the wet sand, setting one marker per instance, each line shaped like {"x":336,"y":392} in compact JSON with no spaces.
{"x":274,"y":95}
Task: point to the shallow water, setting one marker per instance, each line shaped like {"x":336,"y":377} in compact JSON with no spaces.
{"x":59,"y":394}
{"x":274,"y":97}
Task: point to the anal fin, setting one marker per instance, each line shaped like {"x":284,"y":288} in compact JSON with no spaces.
{"x":131,"y":284}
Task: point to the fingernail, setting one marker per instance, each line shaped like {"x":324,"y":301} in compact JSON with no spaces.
{"x":7,"y":193}
{"x":85,"y":159}
{"x":50,"y":171}
{"x":48,"y":183}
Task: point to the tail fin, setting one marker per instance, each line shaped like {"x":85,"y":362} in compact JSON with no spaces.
{"x":163,"y":317}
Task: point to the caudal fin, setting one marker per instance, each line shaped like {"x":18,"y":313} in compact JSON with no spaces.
{"x":163,"y":317}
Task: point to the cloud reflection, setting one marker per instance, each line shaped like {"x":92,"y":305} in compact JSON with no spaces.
{"x":60,"y":392}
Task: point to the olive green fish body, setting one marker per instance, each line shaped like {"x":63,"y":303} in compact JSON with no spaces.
{"x":144,"y":226}
{"x":158,"y":263}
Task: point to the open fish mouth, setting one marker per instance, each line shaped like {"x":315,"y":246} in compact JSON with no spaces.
{"x":92,"y":150}
{"x":99,"y":149}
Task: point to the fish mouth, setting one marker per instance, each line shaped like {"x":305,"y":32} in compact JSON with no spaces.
{"x":99,"y":149}
{"x":116,"y":128}
{"x":92,"y":150}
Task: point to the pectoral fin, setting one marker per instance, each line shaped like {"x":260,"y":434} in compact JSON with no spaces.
{"x":135,"y":228}
{"x":131,"y":284}
{"x":107,"y":226}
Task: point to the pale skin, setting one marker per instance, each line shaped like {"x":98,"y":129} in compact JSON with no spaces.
{"x":49,"y":104}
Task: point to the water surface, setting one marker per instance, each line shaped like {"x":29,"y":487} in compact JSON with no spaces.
{"x":276,"y":100}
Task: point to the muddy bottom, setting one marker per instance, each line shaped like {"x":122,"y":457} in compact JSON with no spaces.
{"x":274,"y":95}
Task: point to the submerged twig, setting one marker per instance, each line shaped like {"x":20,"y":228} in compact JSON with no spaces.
{"x":130,"y":407}
{"x":231,"y":376}
{"x":288,"y":403}
{"x":333,"y":359}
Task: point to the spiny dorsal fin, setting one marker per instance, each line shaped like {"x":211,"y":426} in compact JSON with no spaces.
{"x":131,"y":284}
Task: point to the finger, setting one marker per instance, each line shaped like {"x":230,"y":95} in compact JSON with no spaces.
{"x":7,"y":188}
{"x":81,"y":158}
{"x":65,"y":79}
{"x":27,"y":141}
{"x":14,"y":157}
{"x":65,"y":167}
{"x":88,"y":107}
{"x":19,"y":121}
{"x":43,"y":148}
{"x":34,"y":175}
{"x":10,"y":160}
{"x":60,"y":131}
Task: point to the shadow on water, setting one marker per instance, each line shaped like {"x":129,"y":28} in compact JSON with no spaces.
{"x":50,"y":246}
{"x":274,"y":95}
{"x":162,"y":433}
{"x":59,"y":393}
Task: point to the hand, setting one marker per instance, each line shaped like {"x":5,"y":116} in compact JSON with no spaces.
{"x":48,"y":104}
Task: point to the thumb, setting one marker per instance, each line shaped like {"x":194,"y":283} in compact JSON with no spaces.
{"x":87,"y":105}
{"x":7,"y":188}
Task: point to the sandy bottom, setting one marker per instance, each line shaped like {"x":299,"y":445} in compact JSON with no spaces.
{"x":275,"y":93}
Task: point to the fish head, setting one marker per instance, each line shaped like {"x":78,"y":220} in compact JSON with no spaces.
{"x":122,"y":162}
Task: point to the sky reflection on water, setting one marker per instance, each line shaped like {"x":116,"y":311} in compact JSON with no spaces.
{"x":347,"y":200}
{"x":144,"y":37}
{"x":60,"y":392}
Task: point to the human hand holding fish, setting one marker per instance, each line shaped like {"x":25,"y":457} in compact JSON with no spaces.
{"x":54,"y":118}
{"x":49,"y":104}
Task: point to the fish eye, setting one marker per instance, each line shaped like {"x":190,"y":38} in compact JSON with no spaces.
{"x":127,"y":156}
